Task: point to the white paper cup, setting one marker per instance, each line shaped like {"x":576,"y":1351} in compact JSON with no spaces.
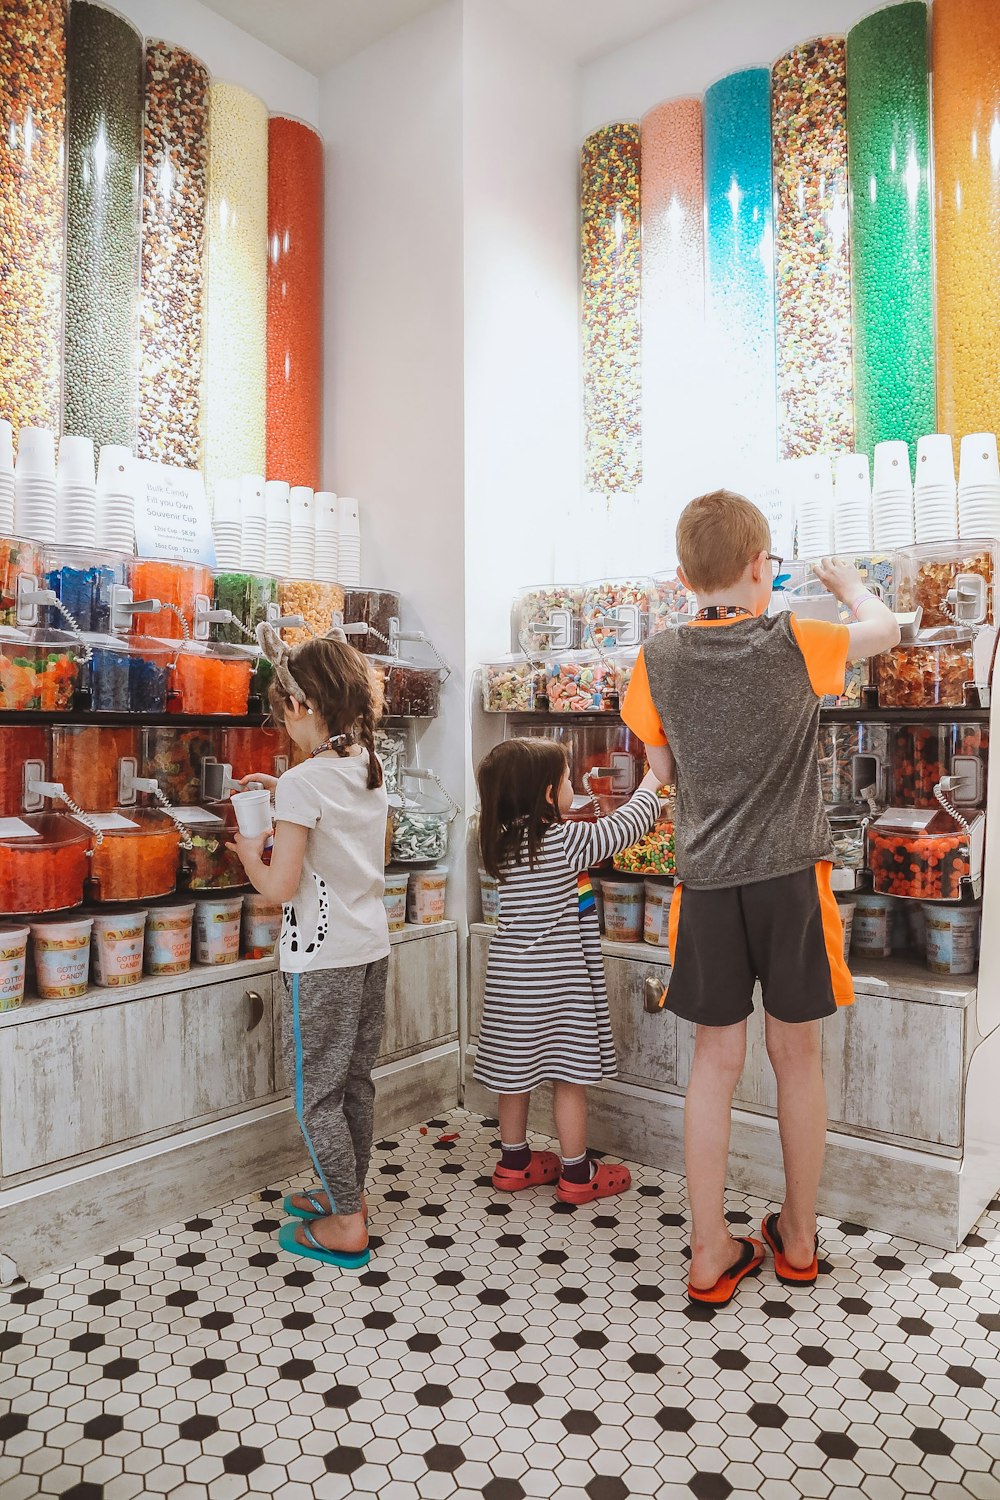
{"x":260,"y":926}
{"x":253,"y":812}
{"x":168,"y":938}
{"x":62,"y":957}
{"x":76,"y":460}
{"x":217,"y":930}
{"x":36,"y":452}
{"x":489,"y":888}
{"x":394,"y":899}
{"x":13,"y":954}
{"x":116,"y":946}
{"x":623,"y":910}
{"x":425,"y":898}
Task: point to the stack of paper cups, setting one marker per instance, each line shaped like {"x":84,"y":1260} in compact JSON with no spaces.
{"x":226,"y":524}
{"x":979,"y":486}
{"x":76,"y":492}
{"x":327,"y":540}
{"x":278,"y":517}
{"x":892,"y":496}
{"x":852,"y":516}
{"x":35,"y":508}
{"x":116,"y":499}
{"x":811,"y":482}
{"x":303,"y":558}
{"x":6,"y":479}
{"x":935,"y":497}
{"x":253,"y":523}
{"x":348,"y":543}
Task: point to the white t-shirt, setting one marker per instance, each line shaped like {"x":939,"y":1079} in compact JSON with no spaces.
{"x":337,"y":918}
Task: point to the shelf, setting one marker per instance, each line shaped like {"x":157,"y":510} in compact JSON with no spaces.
{"x":134,"y":721}
{"x":904,"y":715}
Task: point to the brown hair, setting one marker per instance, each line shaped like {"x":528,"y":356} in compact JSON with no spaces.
{"x":341,"y":686}
{"x":514,"y":779}
{"x":717,"y":535}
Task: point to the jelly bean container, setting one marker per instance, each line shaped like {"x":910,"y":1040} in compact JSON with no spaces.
{"x":38,"y":669}
{"x":548,"y":617}
{"x":581,"y":682}
{"x":952,"y":581}
{"x":217,"y":930}
{"x":137,"y":857}
{"x":24,"y":757}
{"x":929,"y":672}
{"x":13,"y":955}
{"x":394,"y":898}
{"x":378,"y":610}
{"x":87,"y":583}
{"x":213,"y":678}
{"x":116,"y":943}
{"x":43,"y":863}
{"x":616,"y":612}
{"x":168,"y":938}
{"x":425,"y":897}
{"x":186,"y":589}
{"x":62,"y":958}
{"x":512,"y":685}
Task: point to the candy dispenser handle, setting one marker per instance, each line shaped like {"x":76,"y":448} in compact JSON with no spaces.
{"x":941,"y":793}
{"x":46,"y":596}
{"x":56,"y":792}
{"x":171,"y":812}
{"x":418,"y":773}
{"x":422,"y":639}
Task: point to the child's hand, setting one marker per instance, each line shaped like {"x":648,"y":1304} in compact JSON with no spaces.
{"x":842,"y":579}
{"x":250,"y":851}
{"x":258,"y":778}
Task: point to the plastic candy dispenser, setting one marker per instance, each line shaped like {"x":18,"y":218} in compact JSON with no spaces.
{"x":43,"y":863}
{"x":185,"y":590}
{"x":174,"y":759}
{"x":126,"y":676}
{"x":96,"y":766}
{"x":924,"y":754}
{"x":378,"y":611}
{"x":267,"y":749}
{"x":24,"y":758}
{"x":211,"y":865}
{"x":931,"y":671}
{"x":420,"y":818}
{"x":952,"y":582}
{"x":213,"y":678}
{"x":137,"y":857}
{"x":513,"y":685}
{"x":925,"y":854}
{"x":38,"y":669}
{"x":19,"y":560}
{"x":548,"y":617}
{"x":307,"y":608}
{"x":616,"y":612}
{"x":581,"y":682}
{"x":88,"y":584}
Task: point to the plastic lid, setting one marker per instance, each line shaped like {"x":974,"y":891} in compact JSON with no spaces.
{"x":49,"y":829}
{"x":56,"y":640}
{"x":939,"y":635}
{"x":219,"y":650}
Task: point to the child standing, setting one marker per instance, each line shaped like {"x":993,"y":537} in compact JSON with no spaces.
{"x":545,"y":1015}
{"x":327,"y":868}
{"x":735,"y":695}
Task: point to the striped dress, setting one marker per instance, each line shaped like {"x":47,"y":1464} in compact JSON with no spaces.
{"x":545,"y":1013}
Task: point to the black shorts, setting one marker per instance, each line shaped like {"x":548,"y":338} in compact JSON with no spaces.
{"x":785,"y":932}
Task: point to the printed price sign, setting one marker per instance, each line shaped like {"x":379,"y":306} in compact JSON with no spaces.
{"x":171,"y":514}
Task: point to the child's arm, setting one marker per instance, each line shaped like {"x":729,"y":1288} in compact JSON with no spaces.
{"x":588,"y":844}
{"x":279,"y":880}
{"x":877,"y":628}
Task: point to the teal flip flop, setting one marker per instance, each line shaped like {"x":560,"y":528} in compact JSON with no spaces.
{"x":316,"y":1212}
{"x":315,"y":1251}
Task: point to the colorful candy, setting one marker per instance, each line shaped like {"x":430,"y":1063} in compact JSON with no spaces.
{"x":927,"y":865}
{"x":929,"y":674}
{"x":418,"y":837}
{"x":511,"y":686}
{"x":580,"y":682}
{"x":928,"y":582}
{"x":40,"y":678}
{"x":616,"y":612}
{"x":548,"y":618}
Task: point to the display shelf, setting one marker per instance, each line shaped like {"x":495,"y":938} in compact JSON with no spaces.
{"x":903,"y":715}
{"x":21,"y":717}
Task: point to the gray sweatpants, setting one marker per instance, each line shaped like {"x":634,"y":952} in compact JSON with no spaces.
{"x":331,"y":1029}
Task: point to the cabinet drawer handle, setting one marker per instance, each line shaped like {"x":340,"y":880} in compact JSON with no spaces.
{"x":256,"y":1009}
{"x":654,"y":995}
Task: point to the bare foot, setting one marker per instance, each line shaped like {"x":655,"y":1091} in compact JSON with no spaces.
{"x":710,"y":1261}
{"x":323,"y":1199}
{"x":799,"y":1244}
{"x":344,"y":1232}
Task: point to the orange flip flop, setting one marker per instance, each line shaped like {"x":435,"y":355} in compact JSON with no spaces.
{"x":786,"y":1273}
{"x":542,"y":1169}
{"x":610,"y":1178}
{"x":724,"y":1290}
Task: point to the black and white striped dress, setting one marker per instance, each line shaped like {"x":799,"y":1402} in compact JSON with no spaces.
{"x":545,"y":1013}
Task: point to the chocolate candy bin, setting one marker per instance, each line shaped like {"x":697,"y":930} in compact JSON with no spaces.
{"x":212,"y":866}
{"x":189,"y":587}
{"x":88,"y":761}
{"x":127,"y":676}
{"x":376,"y":608}
{"x":927,"y":864}
{"x":965,"y":570}
{"x":513,"y":685}
{"x":581,"y":682}
{"x":38,"y":669}
{"x":135,"y":861}
{"x":24,"y":751}
{"x":43,"y":864}
{"x":315,"y":603}
{"x":18,"y":558}
{"x":547,"y":617}
{"x":616,"y":612}
{"x":411,"y":692}
{"x":174,"y":758}
{"x":929,"y":673}
{"x":266,"y":749}
{"x":924,"y":753}
{"x":213,"y":678}
{"x":85,"y":582}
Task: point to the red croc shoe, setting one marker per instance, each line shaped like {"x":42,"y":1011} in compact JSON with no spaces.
{"x":542,"y":1169}
{"x":606,"y":1181}
{"x":724,"y":1290}
{"x":786,"y":1273}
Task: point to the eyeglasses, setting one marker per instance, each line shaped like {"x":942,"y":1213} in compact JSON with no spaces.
{"x":775,"y":564}
{"x":778,"y":578}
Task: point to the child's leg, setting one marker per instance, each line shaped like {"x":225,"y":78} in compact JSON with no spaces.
{"x":359,"y":1091}
{"x":795,"y":1050}
{"x":512,"y":1113}
{"x":569,"y":1110}
{"x":719,"y":1055}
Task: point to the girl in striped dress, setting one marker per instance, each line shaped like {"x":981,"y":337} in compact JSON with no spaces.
{"x":545,"y":1016}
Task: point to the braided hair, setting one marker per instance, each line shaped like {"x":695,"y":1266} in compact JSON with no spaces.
{"x":341,"y":685}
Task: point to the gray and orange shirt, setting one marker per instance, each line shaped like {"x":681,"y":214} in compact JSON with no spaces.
{"x":737,"y":700}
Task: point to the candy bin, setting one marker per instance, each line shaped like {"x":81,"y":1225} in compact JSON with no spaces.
{"x":610,"y":748}
{"x":267,"y":749}
{"x":213,"y":678}
{"x":379,"y":610}
{"x":174,"y":758}
{"x":924,"y":855}
{"x":391,"y":750}
{"x":24,"y":757}
{"x":878,"y":572}
{"x":513,"y":685}
{"x":581,"y":682}
{"x":411,"y":692}
{"x":137,"y":857}
{"x":213,"y":867}
{"x":670,"y":602}
{"x":88,"y":584}
{"x":95,"y":765}
{"x":43,"y":863}
{"x":548,"y":618}
{"x":188,"y":587}
{"x":852,"y":757}
{"x":420,"y":819}
{"x":847,"y":828}
{"x":929,"y":672}
{"x":18,"y":559}
{"x":38,"y":670}
{"x":250,"y":598}
{"x":624,"y":664}
{"x":952,"y":582}
{"x":653,"y":854}
{"x":616,"y":612}
{"x":126,"y":676}
{"x":315,"y":603}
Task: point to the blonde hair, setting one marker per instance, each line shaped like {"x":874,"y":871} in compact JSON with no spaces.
{"x":717,"y":536}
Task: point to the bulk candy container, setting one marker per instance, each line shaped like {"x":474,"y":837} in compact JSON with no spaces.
{"x":212,"y":866}
{"x":174,"y":758}
{"x":188,"y":587}
{"x":43,"y":863}
{"x":928,"y":864}
{"x":38,"y":670}
{"x":317,"y":604}
{"x":616,"y":612}
{"x":411,"y":692}
{"x":610,"y":748}
{"x":137,"y":860}
{"x":420,"y":823}
{"x":851,"y":758}
{"x":391,"y":750}
{"x":376,"y":608}
{"x":624,"y":665}
{"x":930,"y":672}
{"x":924,"y":753}
{"x":581,"y":682}
{"x":213,"y":678}
{"x":847,"y":829}
{"x":670,"y":601}
{"x":513,"y":685}
{"x":93,"y":764}
{"x":87,"y":583}
{"x":24,"y":751}
{"x":548,"y":617}
{"x":952,"y":582}
{"x":127,"y":676}
{"x":18,"y":559}
{"x":267,"y":749}
{"x":251,"y":598}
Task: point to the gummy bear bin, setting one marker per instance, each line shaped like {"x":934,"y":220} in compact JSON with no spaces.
{"x":44,"y":870}
{"x":85,"y":582}
{"x":38,"y":670}
{"x":87,"y":761}
{"x":930,"y":672}
{"x":926,"y":573}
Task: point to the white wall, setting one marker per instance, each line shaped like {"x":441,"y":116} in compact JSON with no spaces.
{"x":229,"y":53}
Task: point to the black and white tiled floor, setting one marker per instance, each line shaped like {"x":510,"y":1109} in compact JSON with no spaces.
{"x":500,"y":1349}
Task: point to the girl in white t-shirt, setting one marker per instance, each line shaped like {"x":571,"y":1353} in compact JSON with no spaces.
{"x":327,"y":867}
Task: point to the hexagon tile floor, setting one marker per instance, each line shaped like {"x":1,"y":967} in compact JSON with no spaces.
{"x":499,"y":1349}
